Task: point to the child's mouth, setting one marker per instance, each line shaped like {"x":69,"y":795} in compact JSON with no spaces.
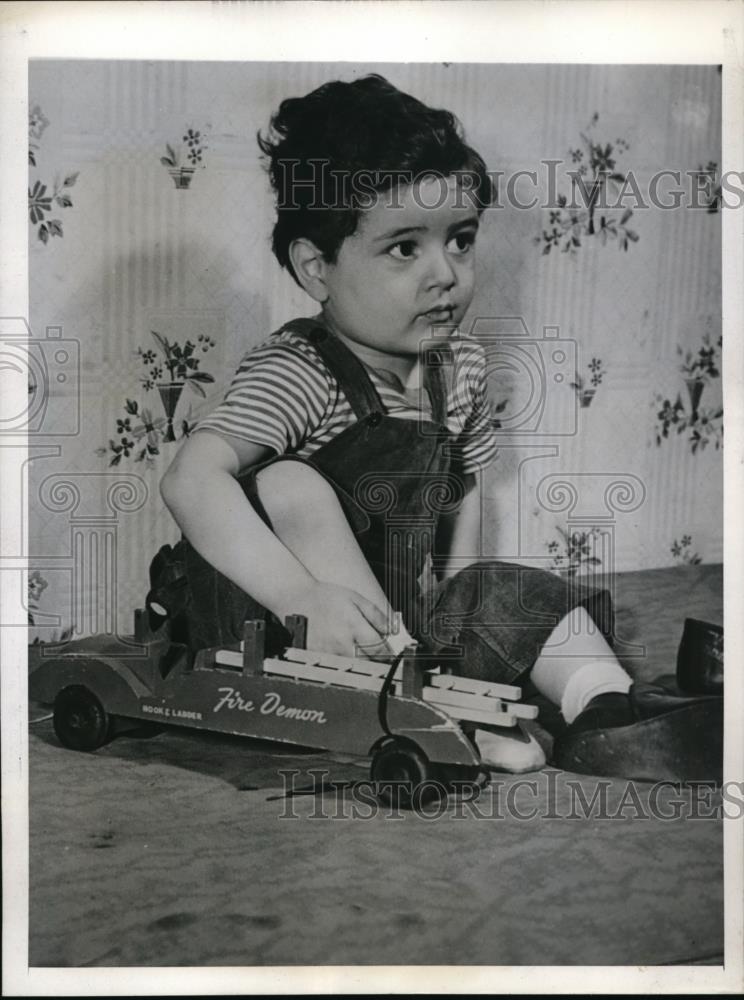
{"x":440,"y":314}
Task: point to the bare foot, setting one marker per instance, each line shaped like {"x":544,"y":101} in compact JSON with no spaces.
{"x":511,"y":750}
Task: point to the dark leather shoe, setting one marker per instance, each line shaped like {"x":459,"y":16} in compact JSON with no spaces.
{"x":700,"y":658}
{"x":649,"y":734}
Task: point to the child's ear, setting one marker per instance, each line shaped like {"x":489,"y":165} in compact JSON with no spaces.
{"x":310,"y":267}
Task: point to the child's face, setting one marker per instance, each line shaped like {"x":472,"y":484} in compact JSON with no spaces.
{"x":407,"y":266}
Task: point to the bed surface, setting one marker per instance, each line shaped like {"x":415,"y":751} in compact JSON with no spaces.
{"x":180,"y":849}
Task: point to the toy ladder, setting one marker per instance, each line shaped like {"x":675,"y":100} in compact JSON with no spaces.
{"x":460,"y":697}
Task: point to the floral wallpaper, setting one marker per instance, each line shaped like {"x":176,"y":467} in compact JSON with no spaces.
{"x":182,"y":161}
{"x":586,"y":387}
{"x":700,"y":425}
{"x":169,"y":368}
{"x":595,"y":171}
{"x":42,"y":201}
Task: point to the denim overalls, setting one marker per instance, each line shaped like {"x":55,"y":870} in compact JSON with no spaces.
{"x":394,"y":478}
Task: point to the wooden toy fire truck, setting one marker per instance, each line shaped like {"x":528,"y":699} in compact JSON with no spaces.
{"x":413,"y":723}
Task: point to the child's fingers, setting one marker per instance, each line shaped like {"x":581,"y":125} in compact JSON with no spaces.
{"x":392,"y":631}
{"x":379,"y":621}
{"x":378,"y":649}
{"x":368,"y":642}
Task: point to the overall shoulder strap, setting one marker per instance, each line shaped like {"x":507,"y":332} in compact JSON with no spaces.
{"x":435,"y":360}
{"x":351,"y":375}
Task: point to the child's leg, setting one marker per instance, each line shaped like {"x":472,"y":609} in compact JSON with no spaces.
{"x":306,"y":515}
{"x":494,"y":613}
{"x":577,"y":664}
{"x":504,"y":635}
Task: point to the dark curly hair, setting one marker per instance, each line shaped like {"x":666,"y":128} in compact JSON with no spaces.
{"x":333,"y":150}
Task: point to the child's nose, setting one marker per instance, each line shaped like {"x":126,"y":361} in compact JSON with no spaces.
{"x":440,"y":272}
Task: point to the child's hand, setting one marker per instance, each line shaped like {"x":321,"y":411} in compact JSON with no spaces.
{"x":343,"y":622}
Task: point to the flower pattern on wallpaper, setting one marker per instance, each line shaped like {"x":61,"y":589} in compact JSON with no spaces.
{"x":585,"y":392}
{"x":495,"y":410}
{"x":169,"y":368}
{"x":682,"y":551}
{"x":41,"y":200}
{"x":36,"y":587}
{"x":573,"y":552}
{"x":37,"y":125}
{"x":182,"y":160}
{"x":703,"y":424}
{"x":595,"y":177}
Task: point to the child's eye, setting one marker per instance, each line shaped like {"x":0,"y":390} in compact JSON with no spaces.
{"x":461,"y":243}
{"x":404,"y":250}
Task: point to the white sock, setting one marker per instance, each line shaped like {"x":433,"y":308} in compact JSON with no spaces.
{"x":590,"y":680}
{"x":576,"y":665}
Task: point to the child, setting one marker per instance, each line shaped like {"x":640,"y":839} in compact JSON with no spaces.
{"x":348,"y":448}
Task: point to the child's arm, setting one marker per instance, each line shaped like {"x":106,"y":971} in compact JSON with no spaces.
{"x":458,"y":541}
{"x":207,"y":502}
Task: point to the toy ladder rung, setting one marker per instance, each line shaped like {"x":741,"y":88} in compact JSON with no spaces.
{"x":451,"y":682}
{"x":369,"y":668}
{"x":228,"y":658}
{"x":475,"y":715}
{"x":522,"y":711}
{"x":468,"y":707}
{"x":462,"y":699}
{"x":321,"y":675}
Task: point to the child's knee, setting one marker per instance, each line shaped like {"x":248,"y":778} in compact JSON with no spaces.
{"x":288,"y":488}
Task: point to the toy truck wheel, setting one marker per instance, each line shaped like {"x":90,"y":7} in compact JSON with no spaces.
{"x":455,"y":776}
{"x":80,"y":721}
{"x":402,"y":775}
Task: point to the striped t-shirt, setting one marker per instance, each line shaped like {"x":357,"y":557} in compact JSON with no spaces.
{"x":283,"y":397}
